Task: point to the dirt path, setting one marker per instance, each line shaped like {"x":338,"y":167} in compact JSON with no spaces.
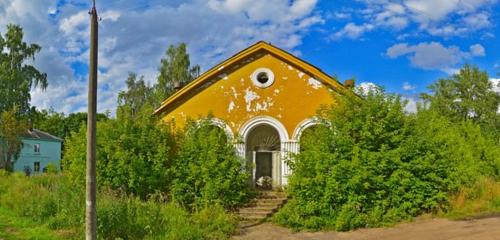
{"x":430,"y":229}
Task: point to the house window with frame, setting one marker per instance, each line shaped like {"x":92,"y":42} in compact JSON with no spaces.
{"x":36,"y":147}
{"x":36,"y":167}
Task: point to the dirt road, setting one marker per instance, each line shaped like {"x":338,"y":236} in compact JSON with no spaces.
{"x":430,"y":229}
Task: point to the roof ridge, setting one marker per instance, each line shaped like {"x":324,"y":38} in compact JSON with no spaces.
{"x":278,"y":52}
{"x":39,"y":134}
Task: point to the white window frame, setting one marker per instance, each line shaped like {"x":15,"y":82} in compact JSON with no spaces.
{"x":270,"y":76}
{"x":36,"y":147}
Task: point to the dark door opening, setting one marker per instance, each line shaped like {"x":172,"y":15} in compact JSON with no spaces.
{"x":264,"y":164}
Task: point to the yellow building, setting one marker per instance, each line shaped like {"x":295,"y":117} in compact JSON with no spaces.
{"x":263,"y":97}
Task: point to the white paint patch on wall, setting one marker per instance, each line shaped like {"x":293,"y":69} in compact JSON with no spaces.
{"x":249,"y":97}
{"x":314,"y":83}
{"x":235,"y":94}
{"x":264,"y":106}
{"x":259,"y":107}
{"x":290,"y":67}
{"x":220,"y":68}
{"x":301,"y":74}
{"x":230,"y":107}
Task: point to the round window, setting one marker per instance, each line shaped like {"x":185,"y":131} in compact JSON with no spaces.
{"x":263,"y":77}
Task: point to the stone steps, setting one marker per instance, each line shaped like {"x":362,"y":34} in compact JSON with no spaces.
{"x":262,"y":207}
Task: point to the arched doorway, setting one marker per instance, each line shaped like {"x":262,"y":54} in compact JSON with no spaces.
{"x":263,"y":147}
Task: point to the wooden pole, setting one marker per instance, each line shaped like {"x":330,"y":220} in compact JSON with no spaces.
{"x":90,"y":210}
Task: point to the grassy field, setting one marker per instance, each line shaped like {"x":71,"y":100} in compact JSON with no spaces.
{"x":480,"y":200}
{"x":13,"y":228}
{"x":48,"y":207}
{"x":130,"y":217}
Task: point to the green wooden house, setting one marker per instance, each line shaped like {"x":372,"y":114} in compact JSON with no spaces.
{"x":39,"y":150}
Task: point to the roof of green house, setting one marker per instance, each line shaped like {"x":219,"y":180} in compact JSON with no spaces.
{"x":37,"y":134}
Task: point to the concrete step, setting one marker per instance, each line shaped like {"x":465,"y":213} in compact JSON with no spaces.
{"x":256,"y":211}
{"x":272,"y":195}
{"x":267,"y":203}
{"x":254,"y":216}
{"x":269,"y":200}
{"x":245,"y":223}
{"x":259,"y":208}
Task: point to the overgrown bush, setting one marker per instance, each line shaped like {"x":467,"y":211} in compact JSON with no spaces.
{"x":53,"y":201}
{"x":208,"y":170}
{"x":134,"y":156}
{"x":197,"y":166}
{"x":376,"y":165}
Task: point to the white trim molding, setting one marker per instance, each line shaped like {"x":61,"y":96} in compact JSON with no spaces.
{"x":303,"y":126}
{"x":270,"y":77}
{"x":221,"y":124}
{"x":259,"y":120}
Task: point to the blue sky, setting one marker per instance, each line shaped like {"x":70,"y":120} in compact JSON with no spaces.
{"x":402,"y":45}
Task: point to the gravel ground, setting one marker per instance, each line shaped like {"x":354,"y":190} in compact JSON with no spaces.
{"x":427,"y":229}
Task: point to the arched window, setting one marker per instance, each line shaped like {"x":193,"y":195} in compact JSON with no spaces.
{"x":310,"y":136}
{"x":212,"y":131}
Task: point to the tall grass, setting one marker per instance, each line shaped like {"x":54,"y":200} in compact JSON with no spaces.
{"x":51,"y":200}
{"x":480,"y":199}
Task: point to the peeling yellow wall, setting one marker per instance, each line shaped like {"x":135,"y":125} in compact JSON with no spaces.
{"x":232,"y":97}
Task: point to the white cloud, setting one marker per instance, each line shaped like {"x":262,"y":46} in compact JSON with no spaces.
{"x":411,"y":105}
{"x":433,"y":55}
{"x":496,"y":84}
{"x":352,"y":31}
{"x":365,"y":87}
{"x":477,"y":50}
{"x":496,"y":87}
{"x":445,"y":18}
{"x":340,"y":15}
{"x":135,"y":34}
{"x":407,"y":86}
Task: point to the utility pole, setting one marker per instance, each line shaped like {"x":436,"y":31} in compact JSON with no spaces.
{"x":90,"y":209}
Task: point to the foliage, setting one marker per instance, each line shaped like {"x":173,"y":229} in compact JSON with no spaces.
{"x":16,"y":76}
{"x":137,"y":96}
{"x":11,"y":128}
{"x":60,"y":124}
{"x":16,"y":227}
{"x":175,"y":71}
{"x":480,"y":199}
{"x":51,"y":168}
{"x":134,"y":155}
{"x":208,"y":170}
{"x":376,"y":165}
{"x":469,"y":94}
{"x":59,"y":201}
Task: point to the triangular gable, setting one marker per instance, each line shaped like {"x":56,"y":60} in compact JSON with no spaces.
{"x":216,"y":70}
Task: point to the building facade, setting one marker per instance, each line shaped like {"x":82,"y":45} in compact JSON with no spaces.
{"x":39,"y":150}
{"x":263,"y":98}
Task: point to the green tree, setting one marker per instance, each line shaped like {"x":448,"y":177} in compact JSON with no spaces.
{"x":11,"y":127}
{"x":59,"y":124}
{"x":207,"y":169}
{"x":469,"y":94}
{"x":133,"y":155}
{"x":375,"y":164}
{"x":137,"y":96}
{"x":175,"y":71}
{"x":17,"y":77}
{"x":50,"y":121}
